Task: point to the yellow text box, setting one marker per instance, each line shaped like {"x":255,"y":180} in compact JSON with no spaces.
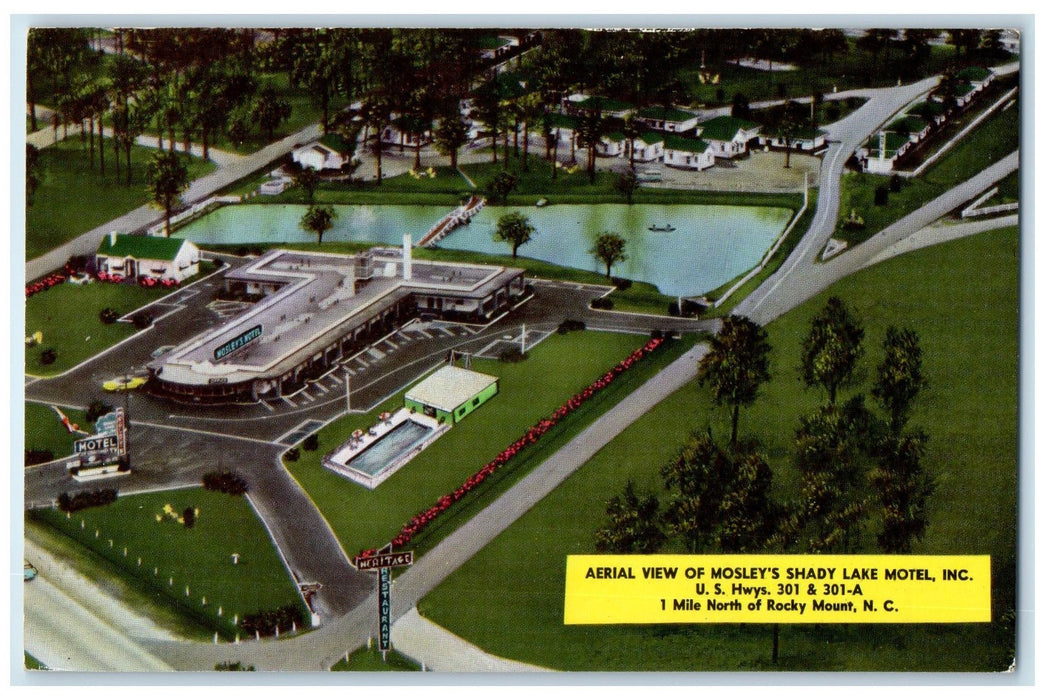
{"x":776,"y":588}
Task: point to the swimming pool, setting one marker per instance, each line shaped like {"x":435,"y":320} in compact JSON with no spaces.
{"x":370,"y":457}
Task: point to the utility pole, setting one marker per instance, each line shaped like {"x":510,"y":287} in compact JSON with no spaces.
{"x":348,"y":391}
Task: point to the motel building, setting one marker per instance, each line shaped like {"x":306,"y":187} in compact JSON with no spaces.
{"x":310,"y":310}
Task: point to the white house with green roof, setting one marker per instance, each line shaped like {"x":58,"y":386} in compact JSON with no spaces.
{"x":977,"y":76}
{"x":612,"y":144}
{"x":691,"y":154}
{"x":804,"y":140}
{"x":879,"y":154}
{"x":607,"y":106}
{"x":328,"y":152}
{"x":649,"y":147}
{"x":147,"y":256}
{"x":729,"y":136}
{"x":911,"y":124}
{"x":670,"y":119}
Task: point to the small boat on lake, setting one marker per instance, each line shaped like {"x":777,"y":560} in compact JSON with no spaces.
{"x":666,"y":228}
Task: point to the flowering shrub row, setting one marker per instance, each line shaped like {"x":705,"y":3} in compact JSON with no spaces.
{"x":59,"y":277}
{"x":420,"y":521}
{"x":44,"y":284}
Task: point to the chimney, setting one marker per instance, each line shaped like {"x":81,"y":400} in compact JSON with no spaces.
{"x":112,"y":238}
{"x":408,"y":244}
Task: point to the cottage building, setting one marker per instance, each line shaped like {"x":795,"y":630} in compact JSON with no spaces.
{"x":691,"y":154}
{"x":329,"y":152}
{"x":670,"y":119}
{"x":728,"y":136}
{"x":880,"y":152}
{"x":147,"y":256}
{"x":648,"y":147}
{"x":804,"y":140}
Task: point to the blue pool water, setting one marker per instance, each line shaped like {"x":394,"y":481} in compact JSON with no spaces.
{"x":709,"y":246}
{"x":401,"y":439}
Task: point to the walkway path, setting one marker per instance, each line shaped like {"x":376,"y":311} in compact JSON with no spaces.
{"x":439,"y":649}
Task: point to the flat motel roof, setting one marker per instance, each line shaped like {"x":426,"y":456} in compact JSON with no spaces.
{"x":449,"y":387}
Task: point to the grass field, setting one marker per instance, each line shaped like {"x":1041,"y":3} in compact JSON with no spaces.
{"x":67,"y":315}
{"x":996,"y":137}
{"x":197,"y":558}
{"x":562,"y":365}
{"x":509,"y":598}
{"x":73,"y":197}
{"x":369,"y":660}
{"x":44,"y":429}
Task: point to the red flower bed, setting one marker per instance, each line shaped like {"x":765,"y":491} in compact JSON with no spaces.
{"x":422,"y":519}
{"x":44,"y":284}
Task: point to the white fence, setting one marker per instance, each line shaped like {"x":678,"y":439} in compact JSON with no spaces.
{"x":160,"y":228}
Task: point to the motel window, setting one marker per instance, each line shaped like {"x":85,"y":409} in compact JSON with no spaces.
{"x":475,"y":401}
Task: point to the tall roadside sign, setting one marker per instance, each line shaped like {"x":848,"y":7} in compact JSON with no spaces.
{"x":382,"y":562}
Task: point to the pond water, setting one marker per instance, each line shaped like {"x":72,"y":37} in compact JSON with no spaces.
{"x":709,"y":245}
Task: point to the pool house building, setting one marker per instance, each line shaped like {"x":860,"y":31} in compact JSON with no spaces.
{"x":451,"y":393}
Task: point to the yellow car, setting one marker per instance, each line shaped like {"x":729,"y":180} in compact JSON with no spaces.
{"x":124,"y":384}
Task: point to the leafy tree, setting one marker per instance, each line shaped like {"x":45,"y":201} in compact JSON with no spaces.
{"x":748,"y":515}
{"x":96,"y":409}
{"x":899,"y":376}
{"x":270,"y":111}
{"x":308,"y":180}
{"x":589,"y":134}
{"x":168,"y":178}
{"x":318,"y":220}
{"x":33,"y":172}
{"x":377,"y":112}
{"x":631,"y":131}
{"x":451,"y":135}
{"x":627,"y":182}
{"x":832,"y":349}
{"x":903,"y":490}
{"x":530,"y":109}
{"x":609,"y":249}
{"x":698,"y":478}
{"x":791,"y":121}
{"x":830,"y":446}
{"x":514,"y":229}
{"x":502,"y":185}
{"x":633,"y":524}
{"x":736,"y":365}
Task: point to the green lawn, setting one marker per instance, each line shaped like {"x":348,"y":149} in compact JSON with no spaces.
{"x":33,"y":664}
{"x":74,"y":198}
{"x":369,"y":660}
{"x":562,"y":365}
{"x":997,"y":136}
{"x":509,"y":598}
{"x":67,"y":315}
{"x":198,"y":558}
{"x":44,"y":429}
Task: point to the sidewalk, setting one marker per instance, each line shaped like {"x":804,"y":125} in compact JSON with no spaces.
{"x":438,"y":649}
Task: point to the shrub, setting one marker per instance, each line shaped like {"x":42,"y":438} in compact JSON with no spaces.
{"x":142,"y":319}
{"x":48,"y":356}
{"x":602,"y":303}
{"x":833,"y":113}
{"x":37,"y":457}
{"x":293,"y":454}
{"x":513,"y":355}
{"x":881,"y":195}
{"x":266,"y":621}
{"x":232,"y":666}
{"x":896,"y":183}
{"x":570,"y":325}
{"x":621,"y":283}
{"x":188,"y":516}
{"x":226,"y":482}
{"x":97,"y":409}
{"x":689,"y":308}
{"x":311,"y":443}
{"x":86,"y":499}
{"x":108,"y":315}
